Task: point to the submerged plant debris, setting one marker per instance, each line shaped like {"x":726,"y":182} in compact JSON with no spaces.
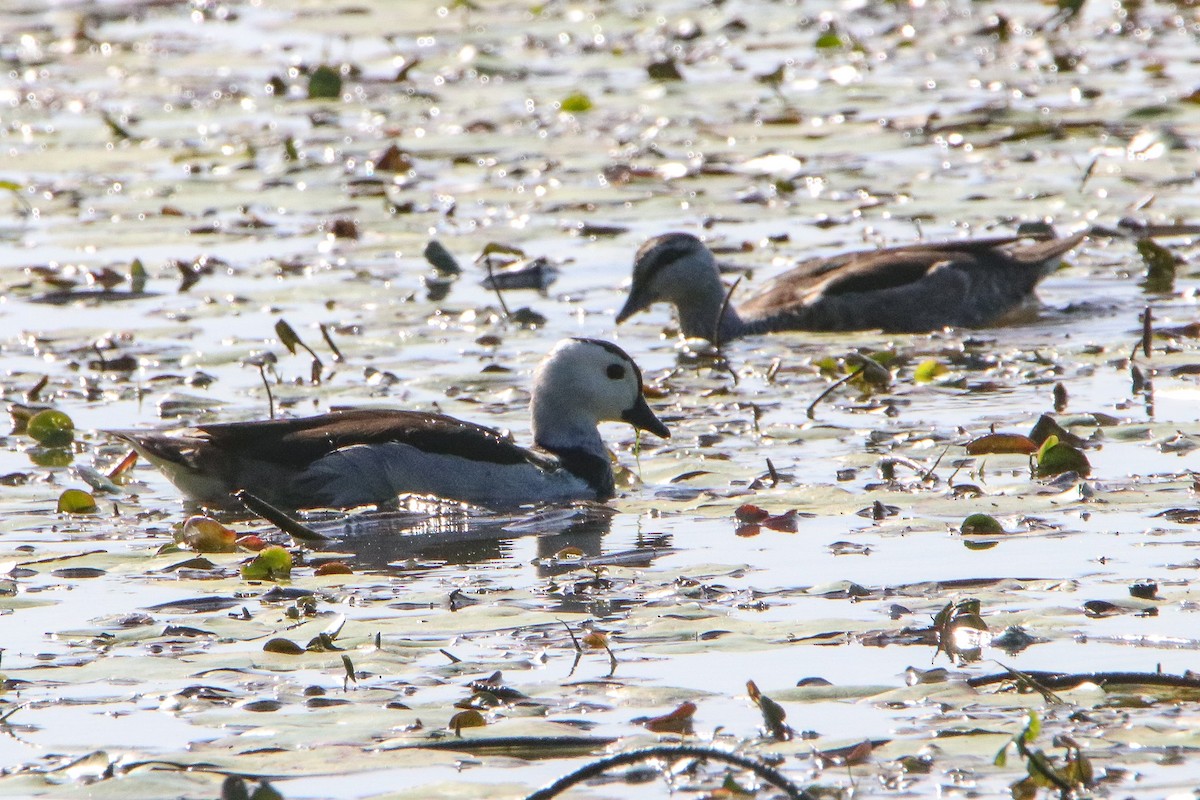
{"x":967,"y":569}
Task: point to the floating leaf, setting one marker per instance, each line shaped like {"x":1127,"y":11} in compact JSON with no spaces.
{"x":1160,"y":266}
{"x":595,"y":640}
{"x":137,"y":276}
{"x":324,"y":83}
{"x":76,"y":501}
{"x":784,"y":523}
{"x":52,"y":428}
{"x":749,"y":512}
{"x":527,"y":318}
{"x":253,"y":543}
{"x":678,"y":721}
{"x":285,"y":647}
{"x":441,"y":259}
{"x":274,"y":563}
{"x":1046,"y":427}
{"x":393,"y":159}
{"x":76,"y":573}
{"x":830,"y":38}
{"x":664,"y":69}
{"x":334,"y":568}
{"x":1144,"y":590}
{"x":206,"y":535}
{"x":1056,"y":457}
{"x":1000,"y":443}
{"x":466,"y":719}
{"x":576,"y":103}
{"x":928,"y":370}
{"x":981,"y":524}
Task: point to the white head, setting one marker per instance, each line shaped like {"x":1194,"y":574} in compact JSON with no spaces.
{"x":582,"y":382}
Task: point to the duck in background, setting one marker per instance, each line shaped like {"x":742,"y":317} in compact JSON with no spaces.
{"x":370,"y":456}
{"x":915,"y":288}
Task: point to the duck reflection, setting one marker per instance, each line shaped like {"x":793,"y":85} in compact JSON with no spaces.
{"x":460,"y":535}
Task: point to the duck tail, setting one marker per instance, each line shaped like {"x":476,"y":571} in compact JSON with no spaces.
{"x":1048,"y":250}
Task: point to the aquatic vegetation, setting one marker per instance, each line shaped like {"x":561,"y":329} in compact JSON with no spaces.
{"x":863,"y":563}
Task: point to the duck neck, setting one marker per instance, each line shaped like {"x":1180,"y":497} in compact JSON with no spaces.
{"x":559,"y":437}
{"x":580,"y":451}
{"x":698,"y":316}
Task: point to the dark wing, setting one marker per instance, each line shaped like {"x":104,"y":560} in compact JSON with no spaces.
{"x":298,"y":442}
{"x":868,"y":271}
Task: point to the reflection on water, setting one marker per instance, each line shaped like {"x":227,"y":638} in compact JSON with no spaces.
{"x":457,"y":534}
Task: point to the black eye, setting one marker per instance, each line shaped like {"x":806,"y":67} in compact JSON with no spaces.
{"x":616,"y":372}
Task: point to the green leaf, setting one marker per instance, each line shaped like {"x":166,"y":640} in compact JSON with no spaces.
{"x":1160,"y":267}
{"x":981,"y":525}
{"x":272,"y":564}
{"x":52,"y":428}
{"x":466,"y":719}
{"x":576,"y":103}
{"x":1055,"y":458}
{"x":76,"y":501}
{"x":831,"y":38}
{"x":1033,"y":726}
{"x":929,"y":369}
{"x":137,"y":276}
{"x":287,"y":336}
{"x":266,"y":791}
{"x":324,"y":83}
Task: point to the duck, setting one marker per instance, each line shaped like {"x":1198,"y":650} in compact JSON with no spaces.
{"x":916,"y":288}
{"x":370,"y":456}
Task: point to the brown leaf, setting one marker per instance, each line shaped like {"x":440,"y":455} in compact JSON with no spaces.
{"x":678,"y":721}
{"x":998,"y":443}
{"x":784,"y":523}
{"x":748,"y":512}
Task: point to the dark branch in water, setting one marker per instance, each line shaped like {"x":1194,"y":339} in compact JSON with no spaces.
{"x":812,"y":409}
{"x":297,"y":530}
{"x":337,"y":354}
{"x":1069,"y":680}
{"x":599,"y":766}
{"x":721,"y":314}
{"x":496,"y":287}
{"x":262,"y":371}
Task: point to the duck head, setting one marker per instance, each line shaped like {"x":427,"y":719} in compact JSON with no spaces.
{"x":677,"y":268}
{"x":582,"y":382}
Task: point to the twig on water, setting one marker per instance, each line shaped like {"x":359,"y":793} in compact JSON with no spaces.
{"x":812,"y":409}
{"x":496,"y":287}
{"x":262,"y":371}
{"x":337,"y":354}
{"x":600,"y":766}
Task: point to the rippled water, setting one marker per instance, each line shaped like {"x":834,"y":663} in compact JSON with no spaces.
{"x":921,"y":126}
